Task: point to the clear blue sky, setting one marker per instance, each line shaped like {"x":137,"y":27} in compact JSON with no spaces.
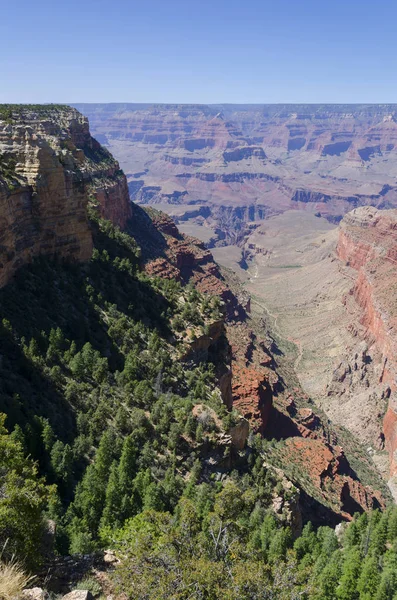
{"x":198,"y":51}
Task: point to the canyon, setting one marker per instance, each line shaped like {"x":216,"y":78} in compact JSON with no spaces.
{"x":251,"y":382}
{"x":219,"y":169}
{"x":264,"y":186}
{"x":328,"y":295}
{"x":52,"y":172}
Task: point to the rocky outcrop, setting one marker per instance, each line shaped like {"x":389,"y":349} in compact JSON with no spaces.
{"x":244,"y":153}
{"x":187,"y":161}
{"x":252,"y":396}
{"x":197,"y":348}
{"x":239,"y":434}
{"x":169,"y":254}
{"x":50,"y":168}
{"x":330,"y":475}
{"x":286,"y":505}
{"x":35,"y":593}
{"x":110,"y":190}
{"x":315,"y":462}
{"x":78,"y":595}
{"x":367,"y":233}
{"x":310,"y":196}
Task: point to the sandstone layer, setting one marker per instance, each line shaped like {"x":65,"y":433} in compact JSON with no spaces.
{"x":50,"y":168}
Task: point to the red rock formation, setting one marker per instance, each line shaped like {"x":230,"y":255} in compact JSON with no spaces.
{"x":365,"y":234}
{"x":111,"y":193}
{"x":161,"y":267}
{"x":368,"y":243}
{"x":252,"y":396}
{"x":176,"y":256}
{"x":328,"y":470}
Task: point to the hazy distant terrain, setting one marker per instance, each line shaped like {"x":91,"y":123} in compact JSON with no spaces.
{"x":223,"y":167}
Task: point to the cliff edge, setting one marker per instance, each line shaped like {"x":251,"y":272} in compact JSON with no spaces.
{"x":50,"y":168}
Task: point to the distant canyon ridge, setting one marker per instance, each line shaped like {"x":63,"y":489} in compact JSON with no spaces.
{"x":218,"y":169}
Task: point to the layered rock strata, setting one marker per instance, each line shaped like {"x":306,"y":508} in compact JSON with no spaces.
{"x":368,"y":243}
{"x":50,"y":168}
{"x":317,"y":158}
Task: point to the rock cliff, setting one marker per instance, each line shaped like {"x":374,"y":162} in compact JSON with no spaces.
{"x":368,"y":243}
{"x":50,"y":168}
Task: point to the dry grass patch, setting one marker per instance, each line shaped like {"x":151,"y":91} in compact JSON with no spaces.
{"x":13,"y":579}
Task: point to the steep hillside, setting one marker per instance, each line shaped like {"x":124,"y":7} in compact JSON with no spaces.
{"x":254,"y":387}
{"x":330,"y":294}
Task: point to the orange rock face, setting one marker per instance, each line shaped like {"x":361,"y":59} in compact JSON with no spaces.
{"x":368,"y":243}
{"x":111,"y":192}
{"x":252,"y":396}
{"x":311,"y":453}
{"x":329,"y":468}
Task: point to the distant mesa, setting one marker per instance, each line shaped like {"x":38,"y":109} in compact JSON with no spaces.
{"x":244,"y":153}
{"x":318,"y":158}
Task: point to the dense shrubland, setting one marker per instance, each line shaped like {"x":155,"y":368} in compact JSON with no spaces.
{"x":224,"y":544}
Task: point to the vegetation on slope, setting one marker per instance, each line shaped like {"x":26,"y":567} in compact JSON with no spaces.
{"x":122,"y":442}
{"x":95,"y":393}
{"x":11,"y":112}
{"x":228,"y":549}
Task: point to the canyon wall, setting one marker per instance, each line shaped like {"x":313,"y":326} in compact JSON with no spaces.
{"x":368,"y":243}
{"x":50,"y":169}
{"x":248,"y":379}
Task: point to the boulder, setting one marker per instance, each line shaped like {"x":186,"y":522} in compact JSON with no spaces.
{"x":110,"y":557}
{"x":78,"y":595}
{"x":35,"y":593}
